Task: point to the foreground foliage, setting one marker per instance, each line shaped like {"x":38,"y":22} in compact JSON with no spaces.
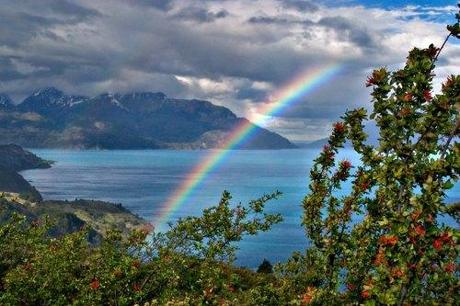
{"x":381,"y":244}
{"x":190,"y":263}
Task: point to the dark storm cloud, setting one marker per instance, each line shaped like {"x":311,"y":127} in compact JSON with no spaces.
{"x":268,"y":20}
{"x":62,"y":8}
{"x":23,"y":29}
{"x":66,"y":7}
{"x":18,"y":27}
{"x":163,"y":5}
{"x":253,"y":94}
{"x":200,"y":14}
{"x":347,"y":29}
{"x":280,"y":21}
{"x":8,"y":71}
{"x":184,"y":50}
{"x":22,"y":22}
{"x":301,"y":5}
{"x":146,"y":41}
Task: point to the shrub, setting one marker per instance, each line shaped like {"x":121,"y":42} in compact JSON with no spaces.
{"x":383,"y":243}
{"x":190,"y":262}
{"x":265,"y":267}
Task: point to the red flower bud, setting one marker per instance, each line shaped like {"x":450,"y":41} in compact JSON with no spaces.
{"x":363,"y":186}
{"x":407,"y":97}
{"x":377,"y":77}
{"x":405,"y":111}
{"x":388,"y":240}
{"x":445,"y":237}
{"x":370,"y":81}
{"x":328,"y":152}
{"x":420,"y":230}
{"x":450,"y":267}
{"x":339,"y":127}
{"x":427,"y":95}
{"x":437,"y":244}
{"x":380,"y":257}
{"x":397,"y":273}
{"x":307,"y":297}
{"x":365,"y":294}
{"x":95,"y":284}
{"x":136,"y":287}
{"x":345,"y":164}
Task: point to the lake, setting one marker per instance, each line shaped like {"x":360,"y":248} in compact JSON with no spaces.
{"x":142,"y":180}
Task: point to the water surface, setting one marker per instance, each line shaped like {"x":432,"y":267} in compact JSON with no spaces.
{"x":142,"y":180}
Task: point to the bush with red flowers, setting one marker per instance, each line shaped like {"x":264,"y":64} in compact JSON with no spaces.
{"x":394,"y":250}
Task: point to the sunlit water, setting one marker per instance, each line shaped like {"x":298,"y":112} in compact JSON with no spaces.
{"x":143,"y":180}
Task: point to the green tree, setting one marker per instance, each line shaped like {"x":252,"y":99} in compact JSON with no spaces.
{"x":383,"y":243}
{"x":265,"y":267}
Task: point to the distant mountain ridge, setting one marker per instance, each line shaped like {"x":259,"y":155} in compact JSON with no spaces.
{"x":139,"y":120}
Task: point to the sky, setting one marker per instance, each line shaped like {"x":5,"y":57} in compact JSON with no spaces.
{"x":233,"y":53}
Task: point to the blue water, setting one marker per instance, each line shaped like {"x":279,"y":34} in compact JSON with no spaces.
{"x":143,"y":180}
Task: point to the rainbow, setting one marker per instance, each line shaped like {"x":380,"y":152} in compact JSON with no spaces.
{"x":285,"y":97}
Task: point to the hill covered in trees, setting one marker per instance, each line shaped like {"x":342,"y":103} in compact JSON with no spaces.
{"x":13,"y":159}
{"x":18,"y":196}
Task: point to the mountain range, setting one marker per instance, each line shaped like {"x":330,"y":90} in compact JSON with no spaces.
{"x":49,"y":118}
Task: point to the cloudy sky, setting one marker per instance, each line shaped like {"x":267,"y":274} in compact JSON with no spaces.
{"x":234,"y":53}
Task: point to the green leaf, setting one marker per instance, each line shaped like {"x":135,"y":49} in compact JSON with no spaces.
{"x":448,"y":185}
